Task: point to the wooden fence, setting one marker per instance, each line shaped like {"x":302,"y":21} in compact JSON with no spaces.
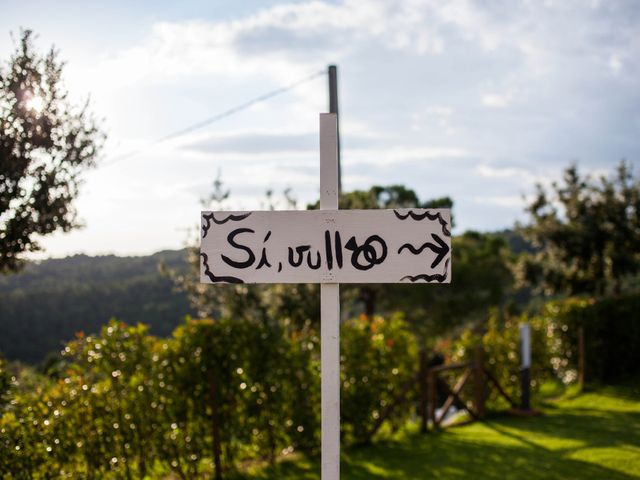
{"x":430,"y":381}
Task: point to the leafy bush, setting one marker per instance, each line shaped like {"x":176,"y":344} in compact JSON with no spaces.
{"x":125,"y":404}
{"x":612,"y":342}
{"x":611,"y":332}
{"x":378,"y":358}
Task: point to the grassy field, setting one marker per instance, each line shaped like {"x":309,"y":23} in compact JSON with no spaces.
{"x":591,"y":435}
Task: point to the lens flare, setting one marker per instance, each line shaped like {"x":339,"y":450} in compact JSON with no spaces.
{"x":35,"y":103}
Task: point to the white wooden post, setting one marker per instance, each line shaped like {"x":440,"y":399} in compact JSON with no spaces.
{"x":329,"y":310}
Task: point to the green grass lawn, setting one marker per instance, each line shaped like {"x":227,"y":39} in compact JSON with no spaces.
{"x":592,"y":435}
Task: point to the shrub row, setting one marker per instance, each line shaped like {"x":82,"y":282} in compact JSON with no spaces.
{"x":125,"y":404}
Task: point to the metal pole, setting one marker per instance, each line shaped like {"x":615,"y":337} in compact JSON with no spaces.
{"x":329,"y":310}
{"x":525,"y":339}
{"x":333,"y":108}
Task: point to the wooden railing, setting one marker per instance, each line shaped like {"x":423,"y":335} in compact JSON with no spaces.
{"x":430,"y":381}
{"x":474,"y":371}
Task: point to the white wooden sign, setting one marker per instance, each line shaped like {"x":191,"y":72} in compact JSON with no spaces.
{"x":320,"y":246}
{"x":327,"y":246}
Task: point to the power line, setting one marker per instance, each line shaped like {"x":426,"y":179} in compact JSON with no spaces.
{"x":217,"y":117}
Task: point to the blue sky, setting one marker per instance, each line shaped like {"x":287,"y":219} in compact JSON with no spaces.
{"x":475,"y":100}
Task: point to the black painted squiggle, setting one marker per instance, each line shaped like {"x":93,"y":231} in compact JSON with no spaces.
{"x":414,"y":250}
{"x":211,"y":218}
{"x":213,"y":277}
{"x":440,"y":250}
{"x":426,"y":214}
{"x":436,"y":277}
{"x":416,"y":216}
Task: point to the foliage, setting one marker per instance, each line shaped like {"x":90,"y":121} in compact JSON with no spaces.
{"x":611,"y":333}
{"x":378,"y":363}
{"x":125,"y":404}
{"x":390,"y":196}
{"x":45,"y":143}
{"x":265,"y":393}
{"x":587,"y":234}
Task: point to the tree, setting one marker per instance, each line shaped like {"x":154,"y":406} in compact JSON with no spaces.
{"x":587,"y":234}
{"x":45,"y":143}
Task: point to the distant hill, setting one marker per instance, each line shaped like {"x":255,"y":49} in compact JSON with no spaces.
{"x":46,"y":304}
{"x":516,"y":242}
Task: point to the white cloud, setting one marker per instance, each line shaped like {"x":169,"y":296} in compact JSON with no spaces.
{"x":615,"y":63}
{"x":512,"y":173}
{"x":497,"y":100}
{"x":506,"y":201}
{"x":285,"y":41}
{"x":402,"y":155}
{"x":438,"y":116}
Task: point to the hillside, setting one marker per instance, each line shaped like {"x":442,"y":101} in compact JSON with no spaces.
{"x":47,"y":303}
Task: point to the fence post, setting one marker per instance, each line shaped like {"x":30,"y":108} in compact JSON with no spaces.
{"x":433,"y":396}
{"x":424,"y":392}
{"x":479,"y":381}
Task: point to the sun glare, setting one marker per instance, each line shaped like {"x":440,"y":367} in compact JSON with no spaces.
{"x":35,"y":103}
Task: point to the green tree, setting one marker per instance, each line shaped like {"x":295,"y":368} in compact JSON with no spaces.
{"x":45,"y":143}
{"x":587,"y":234}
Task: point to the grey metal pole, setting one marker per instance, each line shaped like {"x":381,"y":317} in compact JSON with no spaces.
{"x":333,"y":108}
{"x":525,"y":375}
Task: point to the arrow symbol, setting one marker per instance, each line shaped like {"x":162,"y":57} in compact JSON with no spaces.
{"x":441,"y":249}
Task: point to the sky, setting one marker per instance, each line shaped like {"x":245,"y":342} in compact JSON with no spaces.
{"x":476,"y":100}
